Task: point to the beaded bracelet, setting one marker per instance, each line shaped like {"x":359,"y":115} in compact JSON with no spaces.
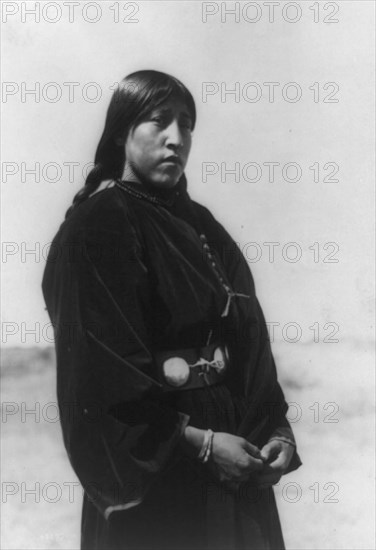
{"x":207,"y":446}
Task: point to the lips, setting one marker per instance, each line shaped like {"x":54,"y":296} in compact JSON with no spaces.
{"x":173,"y":159}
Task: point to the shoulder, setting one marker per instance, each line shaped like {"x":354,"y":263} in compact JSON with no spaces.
{"x":105,"y":207}
{"x":205,"y":216}
{"x":202,"y":210}
{"x":210,"y":222}
{"x":99,"y":230}
{"x":101,"y":224}
{"x":104,"y":210}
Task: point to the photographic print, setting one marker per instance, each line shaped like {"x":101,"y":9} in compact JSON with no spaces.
{"x":188,"y":275}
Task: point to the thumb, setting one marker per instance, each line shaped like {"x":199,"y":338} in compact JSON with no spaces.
{"x":269,"y":449}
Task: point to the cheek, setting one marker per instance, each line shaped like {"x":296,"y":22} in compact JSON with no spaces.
{"x":147,"y":147}
{"x":188,"y":141}
{"x":187,"y":148}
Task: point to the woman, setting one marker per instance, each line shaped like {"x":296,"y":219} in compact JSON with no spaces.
{"x":172,"y":415}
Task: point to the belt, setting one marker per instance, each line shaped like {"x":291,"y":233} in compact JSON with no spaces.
{"x":191,"y":368}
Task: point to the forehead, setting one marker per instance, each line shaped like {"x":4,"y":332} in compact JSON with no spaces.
{"x":173,"y":104}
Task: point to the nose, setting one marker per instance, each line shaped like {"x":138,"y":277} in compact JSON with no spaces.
{"x":174,"y":136}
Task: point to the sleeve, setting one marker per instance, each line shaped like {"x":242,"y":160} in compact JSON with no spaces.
{"x":254,"y":383}
{"x":118,"y":431}
{"x":264,"y":416}
{"x":284,"y":433}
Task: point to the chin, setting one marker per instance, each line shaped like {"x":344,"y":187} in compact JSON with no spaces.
{"x":166,"y":183}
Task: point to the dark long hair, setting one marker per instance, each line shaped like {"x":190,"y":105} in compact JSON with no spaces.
{"x":135,"y":97}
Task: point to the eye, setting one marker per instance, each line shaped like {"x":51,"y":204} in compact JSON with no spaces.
{"x":186,"y":124}
{"x":160,"y":119}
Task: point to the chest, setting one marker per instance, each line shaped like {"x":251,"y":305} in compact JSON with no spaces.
{"x":187,"y":273}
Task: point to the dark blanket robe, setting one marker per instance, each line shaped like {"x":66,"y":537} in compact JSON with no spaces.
{"x":127,"y":277}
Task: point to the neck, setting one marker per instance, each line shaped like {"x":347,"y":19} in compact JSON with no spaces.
{"x":130,"y":174}
{"x":133,"y":176}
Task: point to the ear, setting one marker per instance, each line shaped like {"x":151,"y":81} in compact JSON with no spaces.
{"x":119,"y":141}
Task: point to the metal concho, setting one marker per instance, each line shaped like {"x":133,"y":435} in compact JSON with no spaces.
{"x":176,"y":370}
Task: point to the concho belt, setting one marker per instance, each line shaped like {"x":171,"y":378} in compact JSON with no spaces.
{"x":191,"y":368}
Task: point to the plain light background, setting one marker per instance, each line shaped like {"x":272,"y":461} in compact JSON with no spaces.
{"x":172,"y":37}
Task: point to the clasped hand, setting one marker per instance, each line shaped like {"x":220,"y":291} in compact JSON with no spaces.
{"x":236,"y":460}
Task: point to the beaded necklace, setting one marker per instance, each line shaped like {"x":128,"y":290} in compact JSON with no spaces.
{"x":142,"y":194}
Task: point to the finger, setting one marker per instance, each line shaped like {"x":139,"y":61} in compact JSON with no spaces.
{"x":279,"y":464}
{"x":252,"y":449}
{"x":254,"y":465}
{"x":270,"y":450}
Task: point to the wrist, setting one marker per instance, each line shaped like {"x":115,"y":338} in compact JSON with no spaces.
{"x":192,"y":440}
{"x":207,"y":446}
{"x":283,"y":439}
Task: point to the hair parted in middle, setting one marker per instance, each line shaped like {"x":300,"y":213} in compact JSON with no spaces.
{"x":135,"y":97}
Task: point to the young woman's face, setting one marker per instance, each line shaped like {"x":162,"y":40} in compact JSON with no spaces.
{"x":157,"y":149}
